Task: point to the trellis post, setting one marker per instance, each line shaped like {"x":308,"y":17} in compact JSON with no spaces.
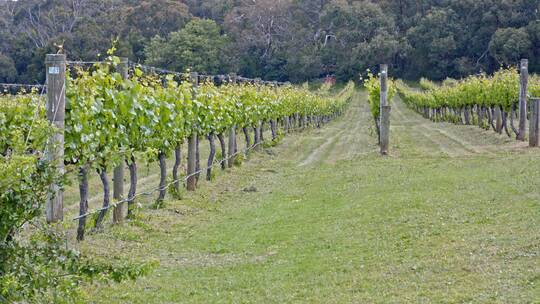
{"x":56,"y":106}
{"x":118,"y":173}
{"x":533,"y":123}
{"x":191,"y":183}
{"x":524,"y":78}
{"x":384,"y":111}
{"x":232,"y":135}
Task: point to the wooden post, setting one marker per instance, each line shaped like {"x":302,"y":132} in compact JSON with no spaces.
{"x":385,"y":129}
{"x":194,"y":78}
{"x":524,"y":78}
{"x":259,"y":138}
{"x":233,"y":78}
{"x":498,"y":120}
{"x":232,"y":135}
{"x":118,"y":173}
{"x":384,"y":85}
{"x":533,"y":127}
{"x":384,"y":111}
{"x":191,"y":183}
{"x":232,"y":146}
{"x":56,"y":107}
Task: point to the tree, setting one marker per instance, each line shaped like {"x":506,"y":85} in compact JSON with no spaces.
{"x":8,"y":73}
{"x":283,"y":40}
{"x":148,"y":18}
{"x":199,"y":46}
{"x":258,"y":29}
{"x":434,"y":44}
{"x":509,"y":45}
{"x":533,"y":29}
{"x":358,"y":35}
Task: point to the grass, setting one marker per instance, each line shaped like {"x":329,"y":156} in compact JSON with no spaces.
{"x":440,"y":221}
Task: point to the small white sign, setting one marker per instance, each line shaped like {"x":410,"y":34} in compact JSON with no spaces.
{"x":54,"y":70}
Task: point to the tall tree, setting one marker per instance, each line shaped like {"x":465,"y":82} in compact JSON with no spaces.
{"x":199,"y":46}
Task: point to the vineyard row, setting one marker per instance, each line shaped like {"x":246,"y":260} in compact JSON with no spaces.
{"x":489,"y":101}
{"x":99,"y":118}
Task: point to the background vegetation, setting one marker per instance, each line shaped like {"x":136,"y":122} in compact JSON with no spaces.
{"x":277,"y":40}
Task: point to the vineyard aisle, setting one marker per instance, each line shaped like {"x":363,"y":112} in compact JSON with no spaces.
{"x":451,"y":216}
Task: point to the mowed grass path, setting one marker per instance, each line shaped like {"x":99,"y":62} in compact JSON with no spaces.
{"x":452,"y":216}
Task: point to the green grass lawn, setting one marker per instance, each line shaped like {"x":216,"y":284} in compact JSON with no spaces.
{"x":439,"y":221}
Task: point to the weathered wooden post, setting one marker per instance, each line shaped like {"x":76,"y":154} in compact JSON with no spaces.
{"x":259,"y":129}
{"x":498,"y":120}
{"x":533,"y":127}
{"x":118,"y":173}
{"x":384,"y":110}
{"x":524,"y":78}
{"x":56,"y":108}
{"x":385,"y":129}
{"x":191,"y":183}
{"x":232,"y":135}
{"x":232,"y":145}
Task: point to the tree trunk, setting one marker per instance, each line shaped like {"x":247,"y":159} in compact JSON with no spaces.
{"x":480,"y":111}
{"x":498,"y":119}
{"x":273,"y":128}
{"x":83,"y":203}
{"x":512,"y":114}
{"x":177,"y":163}
{"x":211,"y":156}
{"x":246,"y":135}
{"x":460,"y":116}
{"x":467,"y":115}
{"x":505,"y":123}
{"x":223,"y":151}
{"x":106,"y":196}
{"x":162,"y":176}
{"x":490,"y":115}
{"x":132,"y":165}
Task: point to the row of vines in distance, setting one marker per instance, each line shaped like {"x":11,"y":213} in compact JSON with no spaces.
{"x":489,"y":101}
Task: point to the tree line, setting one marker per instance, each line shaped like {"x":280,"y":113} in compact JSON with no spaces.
{"x":286,"y":40}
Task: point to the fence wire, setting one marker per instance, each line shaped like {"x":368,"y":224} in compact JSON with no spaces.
{"x":183,"y":179}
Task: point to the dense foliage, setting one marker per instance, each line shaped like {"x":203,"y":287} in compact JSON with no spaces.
{"x":40,"y":269}
{"x":24,"y":175}
{"x":103,"y":107}
{"x":44,"y":270}
{"x":277,"y":40}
